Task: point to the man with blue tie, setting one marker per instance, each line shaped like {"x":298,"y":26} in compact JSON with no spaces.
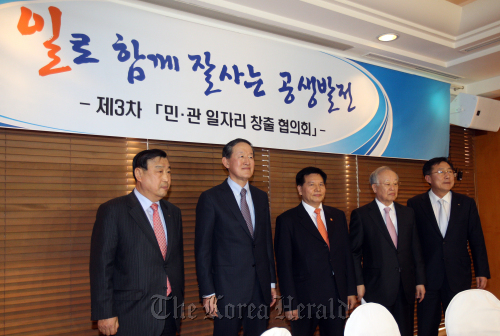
{"x":233,"y":248}
{"x":136,"y":256}
{"x":446,"y":222}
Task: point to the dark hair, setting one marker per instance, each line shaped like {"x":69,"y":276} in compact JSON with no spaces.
{"x":227,"y":151}
{"x":427,"y":169}
{"x":300,"y":178}
{"x":141,"y":159}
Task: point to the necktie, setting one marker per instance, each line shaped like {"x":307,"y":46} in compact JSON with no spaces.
{"x":160,"y":237}
{"x":245,"y":210}
{"x":443,"y":218}
{"x":390,"y":227}
{"x":321,"y":227}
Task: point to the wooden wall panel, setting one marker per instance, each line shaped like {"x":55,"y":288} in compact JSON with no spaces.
{"x":487,"y":159}
{"x":51,"y":185}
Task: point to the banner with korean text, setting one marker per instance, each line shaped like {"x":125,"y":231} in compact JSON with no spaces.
{"x":131,"y":69}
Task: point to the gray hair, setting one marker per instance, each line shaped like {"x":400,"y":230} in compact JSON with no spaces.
{"x":376,"y":172}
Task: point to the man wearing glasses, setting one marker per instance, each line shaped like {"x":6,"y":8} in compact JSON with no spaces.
{"x":446,"y":222}
{"x":387,"y":257}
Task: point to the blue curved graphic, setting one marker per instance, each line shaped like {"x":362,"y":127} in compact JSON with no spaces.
{"x":368,"y":139}
{"x":28,"y":123}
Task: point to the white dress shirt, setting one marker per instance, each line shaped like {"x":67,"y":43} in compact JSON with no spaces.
{"x":392,"y":213}
{"x":310,"y":211}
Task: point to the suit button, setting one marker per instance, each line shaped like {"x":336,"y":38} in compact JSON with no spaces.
{"x":253,"y":265}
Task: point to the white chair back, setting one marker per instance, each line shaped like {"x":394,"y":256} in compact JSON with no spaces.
{"x":276,"y":332}
{"x":371,"y":319}
{"x":473,"y":312}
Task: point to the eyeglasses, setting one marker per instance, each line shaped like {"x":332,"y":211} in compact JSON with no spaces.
{"x":443,"y":172}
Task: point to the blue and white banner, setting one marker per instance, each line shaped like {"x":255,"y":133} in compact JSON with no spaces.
{"x":130,"y":69}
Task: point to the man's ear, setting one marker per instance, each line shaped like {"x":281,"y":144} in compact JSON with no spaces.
{"x":138,"y":174}
{"x":374,"y":188}
{"x":225,"y":162}
{"x":428,"y":178}
{"x":299,"y":189}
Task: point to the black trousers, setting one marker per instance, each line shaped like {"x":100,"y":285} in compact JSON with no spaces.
{"x":429,"y":310}
{"x":170,"y":326}
{"x":253,"y":316}
{"x":330,"y":319}
{"x":403,"y":312}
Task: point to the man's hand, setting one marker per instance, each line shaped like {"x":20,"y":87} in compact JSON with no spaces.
{"x":481,"y":282}
{"x":108,"y":326}
{"x":351,"y":302}
{"x":292,"y":315}
{"x":210,"y":304}
{"x":274,"y":295}
{"x":420,"y":293}
{"x":361,"y":292}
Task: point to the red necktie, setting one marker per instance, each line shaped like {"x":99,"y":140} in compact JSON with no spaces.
{"x":160,"y":237}
{"x":321,"y":227}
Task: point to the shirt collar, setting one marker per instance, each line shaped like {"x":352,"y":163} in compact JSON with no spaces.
{"x":145,"y":202}
{"x":382,"y":206}
{"x":435,"y":199}
{"x":310,"y":209}
{"x":235,"y":187}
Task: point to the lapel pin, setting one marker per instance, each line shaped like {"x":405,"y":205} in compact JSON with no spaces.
{"x":331,"y":220}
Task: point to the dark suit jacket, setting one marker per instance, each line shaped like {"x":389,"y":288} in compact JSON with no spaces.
{"x":127,"y":267}
{"x":228,"y":260}
{"x":450,"y":255}
{"x":384,"y":266}
{"x":305,"y":263}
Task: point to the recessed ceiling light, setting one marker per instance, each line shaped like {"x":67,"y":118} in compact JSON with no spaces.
{"x":388,"y":37}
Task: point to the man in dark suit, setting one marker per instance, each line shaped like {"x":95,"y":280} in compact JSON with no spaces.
{"x":446,"y":222}
{"x":136,"y":256}
{"x":386,"y":249}
{"x":314,"y":261}
{"x":233,"y":248}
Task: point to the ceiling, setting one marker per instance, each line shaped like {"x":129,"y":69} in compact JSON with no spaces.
{"x":456,"y":41}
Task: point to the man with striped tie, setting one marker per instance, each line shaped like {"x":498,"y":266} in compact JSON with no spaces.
{"x":136,"y":256}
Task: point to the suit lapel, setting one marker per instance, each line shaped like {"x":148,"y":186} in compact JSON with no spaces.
{"x":306,"y":221}
{"x":228,"y":196}
{"x":376,"y":215}
{"x":455,"y":209}
{"x":402,"y":223}
{"x":429,"y":213}
{"x":137,"y":213}
{"x":169,"y":224}
{"x":331,"y":228}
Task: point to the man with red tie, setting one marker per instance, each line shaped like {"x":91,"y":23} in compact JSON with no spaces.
{"x":386,"y":250}
{"x":136,"y":256}
{"x":314,"y":260}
